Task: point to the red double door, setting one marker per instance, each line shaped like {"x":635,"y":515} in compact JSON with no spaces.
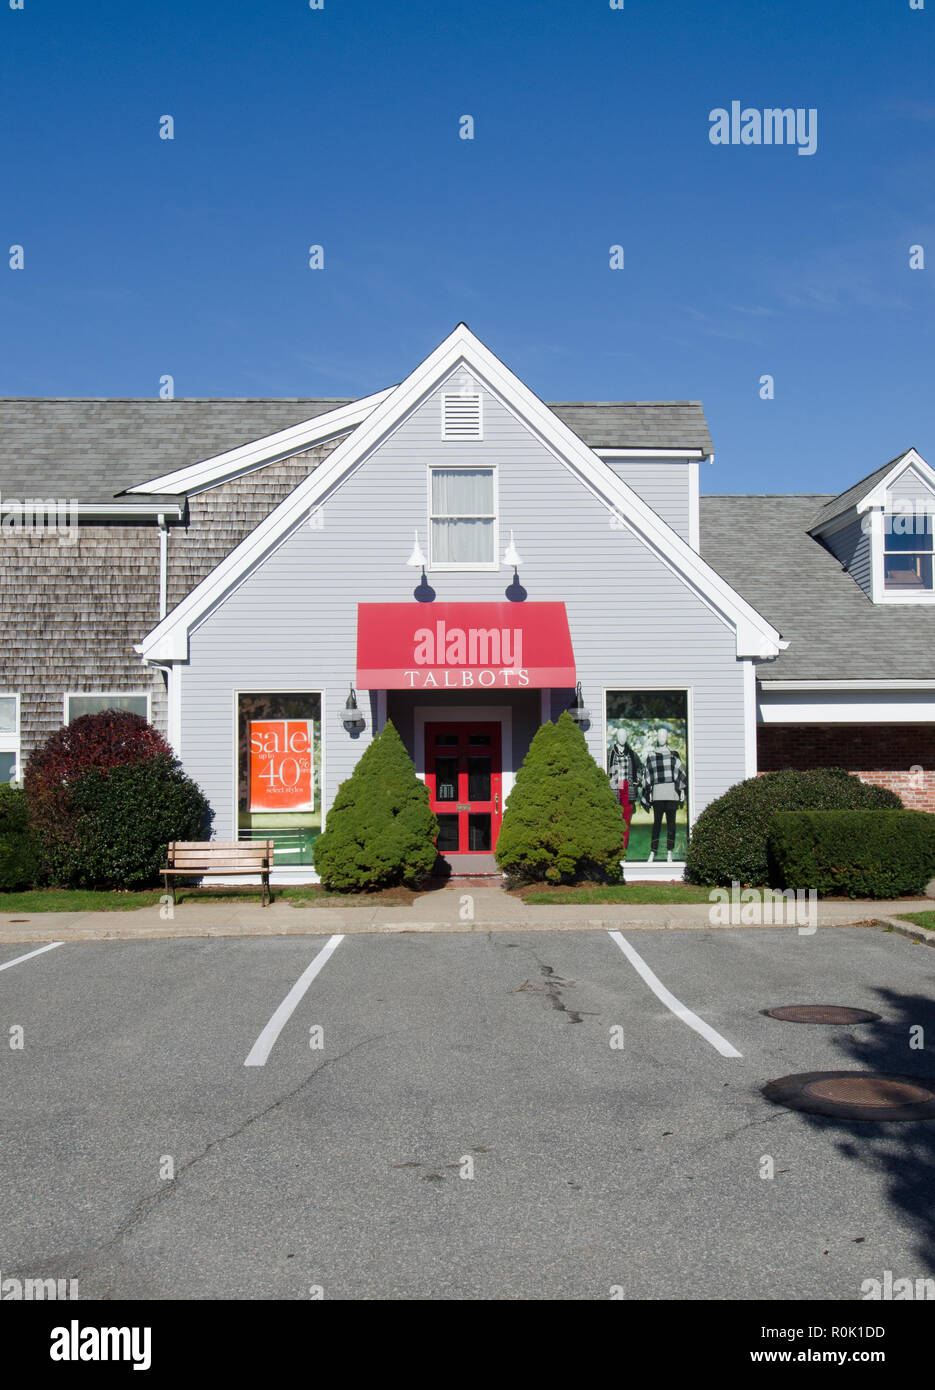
{"x":463,"y":776}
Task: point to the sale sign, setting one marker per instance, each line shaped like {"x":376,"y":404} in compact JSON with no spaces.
{"x":282,"y":775}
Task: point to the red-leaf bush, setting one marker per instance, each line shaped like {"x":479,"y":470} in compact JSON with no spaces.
{"x":102,"y":741}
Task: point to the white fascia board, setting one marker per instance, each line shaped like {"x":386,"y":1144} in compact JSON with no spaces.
{"x":876,"y":497}
{"x":198,"y":476}
{"x":840,"y":706}
{"x":830,"y":687}
{"x":755,"y":636}
{"x":117,"y":509}
{"x":635,"y":453}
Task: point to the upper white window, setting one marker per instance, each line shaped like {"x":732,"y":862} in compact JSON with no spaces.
{"x":136,"y":702}
{"x":462,"y":416}
{"x":463,"y":518}
{"x":9,"y":738}
{"x":907,"y":552}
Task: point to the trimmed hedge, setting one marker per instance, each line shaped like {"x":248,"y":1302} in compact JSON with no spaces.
{"x":19,"y":858}
{"x":857,"y":854}
{"x":381,"y":830}
{"x":102,"y":741}
{"x":728,"y":841}
{"x":562,"y":821}
{"x":123,"y":819}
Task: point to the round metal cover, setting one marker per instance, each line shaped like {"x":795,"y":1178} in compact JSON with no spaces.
{"x":821,"y":1013}
{"x":853,"y":1095}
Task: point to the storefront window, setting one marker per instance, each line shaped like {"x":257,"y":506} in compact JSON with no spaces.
{"x":9,"y":738}
{"x":646,"y":737}
{"x":279,"y":772}
{"x":77,"y":705}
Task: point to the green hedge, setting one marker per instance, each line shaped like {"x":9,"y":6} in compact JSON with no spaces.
{"x":562,"y":821}
{"x":728,"y":841}
{"x":123,"y":819}
{"x":19,"y":858}
{"x":856,"y":854}
{"x":381,"y":830}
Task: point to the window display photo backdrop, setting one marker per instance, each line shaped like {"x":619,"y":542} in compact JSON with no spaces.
{"x":646,"y":736}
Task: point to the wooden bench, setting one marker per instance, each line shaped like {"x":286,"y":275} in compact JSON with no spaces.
{"x":195,"y":858}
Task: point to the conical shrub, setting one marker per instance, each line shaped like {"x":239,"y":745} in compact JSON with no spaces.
{"x":381,"y":831}
{"x":562,"y":820}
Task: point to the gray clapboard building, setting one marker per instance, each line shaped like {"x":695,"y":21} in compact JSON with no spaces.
{"x":269,"y":581}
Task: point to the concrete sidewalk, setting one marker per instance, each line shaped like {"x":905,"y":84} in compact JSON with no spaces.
{"x":455,"y":908}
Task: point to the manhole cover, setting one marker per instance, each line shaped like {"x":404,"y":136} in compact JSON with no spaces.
{"x":852,"y":1095}
{"x":821,"y":1013}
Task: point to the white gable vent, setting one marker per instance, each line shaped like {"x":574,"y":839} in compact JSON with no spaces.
{"x":461,"y":416}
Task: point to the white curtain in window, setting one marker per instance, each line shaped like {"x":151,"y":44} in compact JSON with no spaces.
{"x":462,"y":492}
{"x":7,"y":714}
{"x":467,"y":542}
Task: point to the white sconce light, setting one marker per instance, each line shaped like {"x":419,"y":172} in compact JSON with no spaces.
{"x":417,"y":560}
{"x":511,"y":556}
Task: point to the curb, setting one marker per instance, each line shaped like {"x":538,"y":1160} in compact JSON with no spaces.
{"x":920,"y":934}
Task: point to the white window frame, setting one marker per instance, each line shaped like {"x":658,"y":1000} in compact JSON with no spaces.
{"x":146,"y":695}
{"x":689,"y":690}
{"x":258,"y":688}
{"x":10,"y":743}
{"x":879,"y":592}
{"x":485,"y":565}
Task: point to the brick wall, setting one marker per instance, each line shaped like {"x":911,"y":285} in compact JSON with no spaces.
{"x":898,"y":756}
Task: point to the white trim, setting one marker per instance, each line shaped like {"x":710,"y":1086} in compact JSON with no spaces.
{"x":272,"y":447}
{"x":847,"y":706}
{"x":876,"y":497}
{"x":876,"y":555}
{"x":12,"y":743}
{"x":749,"y":718}
{"x":468,"y":714}
{"x":112,"y":510}
{"x":147,"y":695}
{"x":163,"y":566}
{"x":174,"y":704}
{"x":833,"y":685}
{"x":635,"y":453}
{"x":754,"y":635}
{"x":694,"y":507}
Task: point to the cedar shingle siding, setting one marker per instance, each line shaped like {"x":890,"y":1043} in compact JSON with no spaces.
{"x":71,"y":617}
{"x":72,"y":614}
{"x":220,"y":518}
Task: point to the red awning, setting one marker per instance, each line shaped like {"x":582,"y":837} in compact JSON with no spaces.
{"x":463,"y":646}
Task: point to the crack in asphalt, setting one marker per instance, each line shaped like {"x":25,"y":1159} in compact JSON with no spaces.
{"x":552,"y":985}
{"x":148,"y":1203}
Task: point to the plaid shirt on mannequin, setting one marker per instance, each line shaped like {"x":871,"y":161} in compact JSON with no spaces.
{"x":663,"y":768}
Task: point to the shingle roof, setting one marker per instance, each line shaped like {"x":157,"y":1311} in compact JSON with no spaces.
{"x":761,"y":546}
{"x":636,"y":424}
{"x":94,"y":449}
{"x":844,"y":500}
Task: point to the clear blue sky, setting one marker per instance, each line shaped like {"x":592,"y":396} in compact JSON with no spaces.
{"x":340,"y":127}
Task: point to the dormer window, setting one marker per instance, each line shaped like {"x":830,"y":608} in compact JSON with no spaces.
{"x":907,"y":552}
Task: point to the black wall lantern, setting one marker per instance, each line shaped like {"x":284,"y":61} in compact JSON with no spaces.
{"x":350,"y":716}
{"x":579,"y":711}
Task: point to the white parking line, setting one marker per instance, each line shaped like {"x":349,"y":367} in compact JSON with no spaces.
{"x":725,"y":1048}
{"x":29,"y":954}
{"x":267,"y":1039}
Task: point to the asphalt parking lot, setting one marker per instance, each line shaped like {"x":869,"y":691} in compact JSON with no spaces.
{"x":512,"y":1115}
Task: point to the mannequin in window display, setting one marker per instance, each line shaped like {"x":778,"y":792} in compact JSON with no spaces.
{"x":663,"y":791}
{"x":625,"y":770}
